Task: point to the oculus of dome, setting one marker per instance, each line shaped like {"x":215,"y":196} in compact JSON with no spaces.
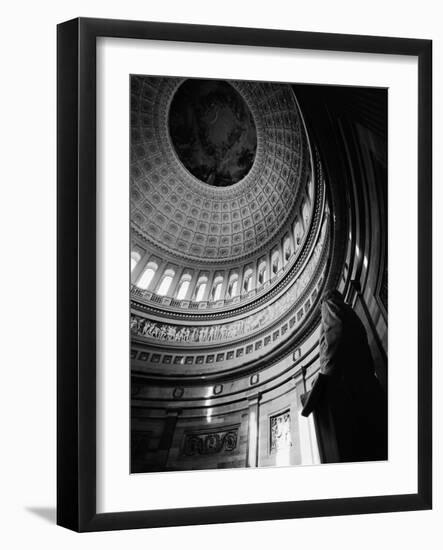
{"x":213,"y":131}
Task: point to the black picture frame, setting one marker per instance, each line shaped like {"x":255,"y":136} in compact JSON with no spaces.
{"x":76,"y":295}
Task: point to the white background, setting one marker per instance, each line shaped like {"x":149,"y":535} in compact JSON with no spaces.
{"x":27,"y":218}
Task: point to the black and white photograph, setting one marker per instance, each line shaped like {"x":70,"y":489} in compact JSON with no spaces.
{"x":259,"y":274}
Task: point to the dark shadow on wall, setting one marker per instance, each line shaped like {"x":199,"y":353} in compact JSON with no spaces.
{"x":47,"y":513}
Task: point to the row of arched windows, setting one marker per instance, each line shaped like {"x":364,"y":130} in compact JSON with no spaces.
{"x":164,"y":284}
{"x":147,"y":279}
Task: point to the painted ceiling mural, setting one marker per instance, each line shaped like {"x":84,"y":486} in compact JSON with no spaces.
{"x":213,"y":131}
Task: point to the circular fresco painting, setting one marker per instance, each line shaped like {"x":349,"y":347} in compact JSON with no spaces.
{"x":213,"y":131}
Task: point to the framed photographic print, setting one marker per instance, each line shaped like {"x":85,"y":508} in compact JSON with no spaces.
{"x":244,"y":274}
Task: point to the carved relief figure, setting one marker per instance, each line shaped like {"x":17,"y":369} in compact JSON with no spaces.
{"x":281,"y":431}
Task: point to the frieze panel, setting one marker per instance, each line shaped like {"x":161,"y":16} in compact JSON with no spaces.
{"x":208,"y":443}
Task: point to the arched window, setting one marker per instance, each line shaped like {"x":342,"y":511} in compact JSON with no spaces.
{"x":183,"y":287}
{"x":275,"y":262}
{"x":135,"y":258}
{"x":233,"y":285}
{"x":165,"y":283}
{"x":148,"y":274}
{"x":305,"y":212}
{"x":200,"y":288}
{"x":217,"y":288}
{"x":311,"y":188}
{"x":298,"y":234}
{"x":287,"y":248}
{"x":262,"y":273}
{"x":247,"y":280}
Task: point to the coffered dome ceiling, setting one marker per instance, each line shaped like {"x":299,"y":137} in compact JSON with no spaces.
{"x":226,"y":188}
